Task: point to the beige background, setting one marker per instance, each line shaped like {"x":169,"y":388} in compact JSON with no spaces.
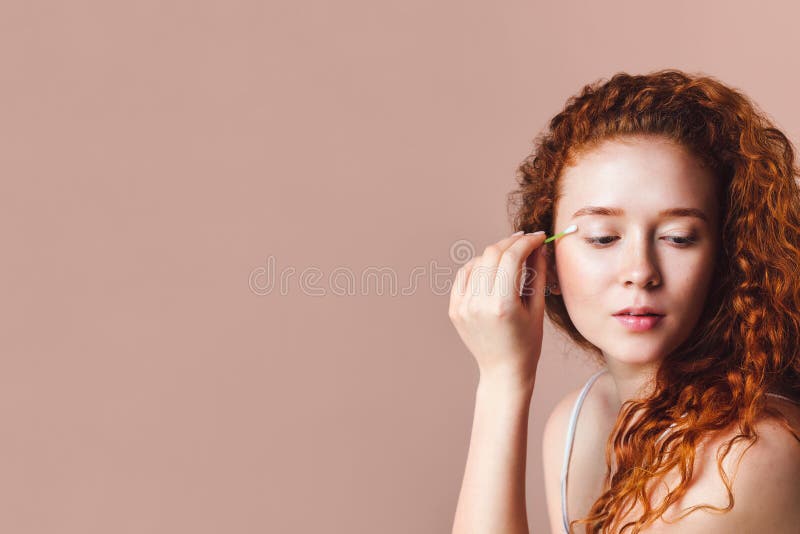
{"x":155,"y":155}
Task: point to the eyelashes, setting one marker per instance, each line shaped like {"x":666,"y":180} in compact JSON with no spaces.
{"x":680,"y":241}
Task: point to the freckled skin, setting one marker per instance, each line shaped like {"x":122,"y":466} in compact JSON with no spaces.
{"x":641,"y":261}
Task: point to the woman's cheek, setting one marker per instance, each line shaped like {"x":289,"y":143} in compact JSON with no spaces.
{"x":580,"y":274}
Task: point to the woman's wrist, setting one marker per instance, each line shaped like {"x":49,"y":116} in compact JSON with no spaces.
{"x":513,"y":382}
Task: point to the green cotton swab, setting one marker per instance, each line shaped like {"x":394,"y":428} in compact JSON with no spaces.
{"x":568,"y":230}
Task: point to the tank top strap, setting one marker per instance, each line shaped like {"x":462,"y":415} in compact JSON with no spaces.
{"x":784,"y":398}
{"x":573,"y":420}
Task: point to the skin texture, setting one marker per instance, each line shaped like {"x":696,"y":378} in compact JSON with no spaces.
{"x":644,"y":258}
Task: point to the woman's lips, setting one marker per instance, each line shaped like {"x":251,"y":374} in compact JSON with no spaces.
{"x":639,"y":323}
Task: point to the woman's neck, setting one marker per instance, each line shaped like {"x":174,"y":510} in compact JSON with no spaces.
{"x":630,"y":381}
{"x":636,"y":381}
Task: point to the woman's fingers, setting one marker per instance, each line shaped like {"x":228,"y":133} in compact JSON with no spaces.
{"x":460,"y":285}
{"x":461,"y":282}
{"x":513,"y":266}
{"x":464,"y":273}
{"x":495,"y":271}
{"x":500,"y":330}
{"x":485,"y":272}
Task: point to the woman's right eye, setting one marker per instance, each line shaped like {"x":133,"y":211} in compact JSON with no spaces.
{"x":599,"y":240}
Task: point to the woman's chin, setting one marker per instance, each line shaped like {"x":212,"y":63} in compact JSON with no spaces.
{"x":635,"y":356}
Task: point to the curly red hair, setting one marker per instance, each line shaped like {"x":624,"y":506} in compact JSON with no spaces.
{"x":746,"y":340}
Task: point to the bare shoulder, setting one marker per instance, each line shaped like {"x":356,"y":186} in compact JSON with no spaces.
{"x":768,"y":478}
{"x":554,"y":436}
{"x":790,"y":409}
{"x":765,"y":482}
{"x":554,"y":439}
{"x":595,"y":403}
{"x":555,"y":427}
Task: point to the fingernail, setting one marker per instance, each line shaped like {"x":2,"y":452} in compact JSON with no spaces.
{"x":518,"y":233}
{"x":535,"y":233}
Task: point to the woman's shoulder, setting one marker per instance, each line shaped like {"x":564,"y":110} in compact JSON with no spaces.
{"x":789,"y":408}
{"x":594,"y":404}
{"x":764,"y":474}
{"x":763,"y":477}
{"x":586,"y":466}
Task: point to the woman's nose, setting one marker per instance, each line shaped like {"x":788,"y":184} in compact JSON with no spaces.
{"x":639,"y":266}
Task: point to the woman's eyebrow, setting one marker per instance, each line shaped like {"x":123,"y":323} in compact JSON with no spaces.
{"x":618,"y":212}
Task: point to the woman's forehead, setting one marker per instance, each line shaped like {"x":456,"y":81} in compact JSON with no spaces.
{"x":646,"y":176}
{"x":640,"y":159}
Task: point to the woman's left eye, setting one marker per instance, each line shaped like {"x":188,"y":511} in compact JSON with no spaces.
{"x":683,"y":240}
{"x":599,"y":240}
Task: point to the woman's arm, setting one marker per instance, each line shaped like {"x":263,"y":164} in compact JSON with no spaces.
{"x":492,"y":497}
{"x":500,"y":322}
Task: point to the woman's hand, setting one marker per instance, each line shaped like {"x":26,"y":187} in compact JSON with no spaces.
{"x":502,"y":329}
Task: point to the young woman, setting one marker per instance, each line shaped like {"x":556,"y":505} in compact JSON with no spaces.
{"x":682,"y":280}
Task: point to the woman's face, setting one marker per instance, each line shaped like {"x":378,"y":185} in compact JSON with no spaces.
{"x":633,"y":252}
